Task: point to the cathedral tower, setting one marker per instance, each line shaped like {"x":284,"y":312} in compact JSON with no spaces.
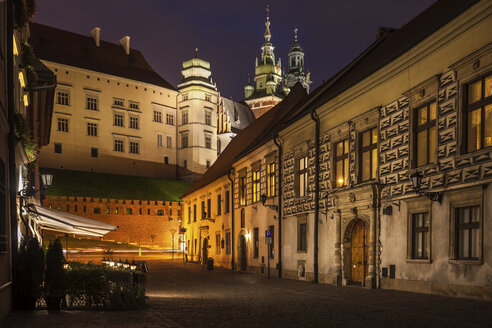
{"x":296,"y":71}
{"x":267,"y":90}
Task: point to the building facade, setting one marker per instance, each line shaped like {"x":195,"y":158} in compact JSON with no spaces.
{"x":26,"y":93}
{"x":385,"y":170}
{"x":112,"y":113}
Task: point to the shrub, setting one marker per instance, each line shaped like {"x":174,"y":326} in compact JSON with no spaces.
{"x":55,"y":280}
{"x":30,"y":271}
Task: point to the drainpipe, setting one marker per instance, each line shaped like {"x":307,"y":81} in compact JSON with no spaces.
{"x":276,"y":142}
{"x":315,"y":118}
{"x":231,"y":194}
{"x":11,"y":142}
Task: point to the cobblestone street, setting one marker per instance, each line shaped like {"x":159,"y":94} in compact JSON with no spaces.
{"x":184,"y":295}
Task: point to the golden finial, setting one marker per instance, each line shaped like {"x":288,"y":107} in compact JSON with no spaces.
{"x":268,"y":35}
{"x":268,"y":12}
{"x":196,"y":52}
{"x":295,"y":33}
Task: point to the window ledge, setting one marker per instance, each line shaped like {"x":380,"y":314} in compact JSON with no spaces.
{"x":485,"y":150}
{"x":466,"y":262}
{"x":419,"y":261}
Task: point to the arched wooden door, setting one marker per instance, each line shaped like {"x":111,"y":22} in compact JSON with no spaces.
{"x":360,"y":252}
{"x":242,"y":252}
{"x":205,"y":251}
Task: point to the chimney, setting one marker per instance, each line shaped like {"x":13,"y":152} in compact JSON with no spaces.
{"x":125,"y":42}
{"x":95,"y":34}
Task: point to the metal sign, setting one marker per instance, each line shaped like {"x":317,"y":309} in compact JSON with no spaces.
{"x":268,"y":233}
{"x":182,"y":230}
{"x":268,"y":240}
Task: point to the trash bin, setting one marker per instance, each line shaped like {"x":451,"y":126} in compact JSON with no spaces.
{"x":210,"y":263}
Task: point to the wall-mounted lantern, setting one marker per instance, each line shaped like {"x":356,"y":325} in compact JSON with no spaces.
{"x":416,"y":178}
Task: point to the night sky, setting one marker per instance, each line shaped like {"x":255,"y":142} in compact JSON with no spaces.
{"x":229,"y":33}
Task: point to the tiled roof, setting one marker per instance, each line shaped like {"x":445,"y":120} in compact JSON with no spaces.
{"x":247,"y":138}
{"x":68,"y":48}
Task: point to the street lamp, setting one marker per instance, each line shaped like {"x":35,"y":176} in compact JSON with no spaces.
{"x":47,"y":180}
{"x":416,"y":178}
{"x":133,"y":266}
{"x":263,"y":202}
{"x":126,"y":264}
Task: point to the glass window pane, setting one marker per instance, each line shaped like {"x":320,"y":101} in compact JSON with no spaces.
{"x":474,"y":119}
{"x":345,"y":147}
{"x":366,"y":165}
{"x":474,"y":92}
{"x":422,"y":148}
{"x":487,"y":126}
{"x":374,"y":172}
{"x":488,"y":86}
{"x":339,"y":171}
{"x":463,"y":242}
{"x":345,"y":171}
{"x":366,"y":138}
{"x":432,"y":111}
{"x":432,"y":144}
{"x":475,"y":214}
{"x":422,"y":115}
{"x":339,"y":150}
{"x":475,"y":242}
{"x":418,"y":245}
{"x":424,"y":245}
{"x":374,"y":135}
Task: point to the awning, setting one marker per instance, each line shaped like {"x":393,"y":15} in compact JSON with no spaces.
{"x":68,"y":223}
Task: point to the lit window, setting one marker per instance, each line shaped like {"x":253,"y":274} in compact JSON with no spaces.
{"x":92,"y":102}
{"x":118,"y":145}
{"x":134,"y":122}
{"x":169,"y":119}
{"x":479,"y":114}
{"x":157,"y":116}
{"x":63,"y":97}
{"x":341,"y":163}
{"x":62,"y":124}
{"x":118,"y":119}
{"x":159,"y":140}
{"x":256,"y":185}
{"x":242,"y":191}
{"x":302,"y":175}
{"x":369,"y":154}
{"x":134,"y":147}
{"x":92,"y":129}
{"x":271,"y":183}
{"x":426,"y":134}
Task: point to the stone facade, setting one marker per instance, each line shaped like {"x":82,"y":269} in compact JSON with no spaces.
{"x":364,"y":228}
{"x":146,"y":223}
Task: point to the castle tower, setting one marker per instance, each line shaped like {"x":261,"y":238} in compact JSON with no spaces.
{"x":197,"y":119}
{"x":267,"y":90}
{"x":296,"y":71}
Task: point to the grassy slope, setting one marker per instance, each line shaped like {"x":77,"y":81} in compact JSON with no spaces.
{"x":102,"y":185}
